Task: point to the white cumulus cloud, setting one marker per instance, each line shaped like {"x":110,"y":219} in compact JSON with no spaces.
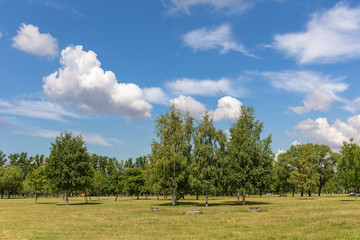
{"x":231,"y":6}
{"x":321,"y":132}
{"x":156,"y":95}
{"x":330,"y":36}
{"x":1,"y":35}
{"x":228,"y":108}
{"x":189,"y":104}
{"x":219,"y":38}
{"x":30,"y":40}
{"x":80,"y":79}
{"x":320,"y":90}
{"x":188,"y":86}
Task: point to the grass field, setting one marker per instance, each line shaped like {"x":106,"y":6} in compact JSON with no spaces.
{"x":326,"y":217}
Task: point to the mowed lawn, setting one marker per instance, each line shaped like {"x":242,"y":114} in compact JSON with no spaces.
{"x":325,"y":217}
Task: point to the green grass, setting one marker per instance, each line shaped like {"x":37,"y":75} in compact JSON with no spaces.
{"x":326,"y":217}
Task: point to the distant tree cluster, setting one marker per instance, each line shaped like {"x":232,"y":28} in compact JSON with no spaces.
{"x":187,"y":157}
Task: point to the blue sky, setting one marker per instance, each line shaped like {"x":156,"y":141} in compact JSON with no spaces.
{"x":107,"y":69}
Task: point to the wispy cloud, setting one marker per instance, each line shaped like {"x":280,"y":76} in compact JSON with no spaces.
{"x":320,"y":90}
{"x":227,"y":6}
{"x":220,"y":38}
{"x":204,"y":87}
{"x":36,"y":109}
{"x":330,"y":36}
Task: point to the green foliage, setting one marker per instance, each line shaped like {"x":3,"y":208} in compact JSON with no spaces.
{"x":305,"y":176}
{"x":248,"y":155}
{"x":37,"y":181}
{"x":135,"y":182}
{"x":349,"y":165}
{"x":10,"y":180}
{"x":171,"y":153}
{"x":2,"y":158}
{"x":204,"y":168}
{"x":69,"y":167}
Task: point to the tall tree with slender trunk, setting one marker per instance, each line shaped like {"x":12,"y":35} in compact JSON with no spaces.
{"x":170,"y":153}
{"x":206,"y":155}
{"x":244,"y":151}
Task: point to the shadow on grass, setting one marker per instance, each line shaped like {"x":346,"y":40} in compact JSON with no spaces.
{"x":77,"y":204}
{"x":347,"y":200}
{"x":225,"y":203}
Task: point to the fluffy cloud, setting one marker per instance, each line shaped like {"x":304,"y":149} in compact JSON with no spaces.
{"x":207,"y":87}
{"x":156,"y":95}
{"x":232,"y":6}
{"x":1,"y":35}
{"x":220,"y":38}
{"x":35,"y":109}
{"x":228,"y":108}
{"x":330,"y":36}
{"x":316,"y":100}
{"x":30,"y":40}
{"x":82,"y":80}
{"x":320,"y":90}
{"x":321,"y":132}
{"x":189,"y":104}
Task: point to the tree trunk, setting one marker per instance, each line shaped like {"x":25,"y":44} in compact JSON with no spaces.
{"x":66,"y":198}
{"x":116,"y":197}
{"x":261,"y":192}
{"x":206,"y":200}
{"x":36,"y":196}
{"x":173,"y":197}
{"x":243,"y":201}
{"x":302,"y":192}
{"x":9,"y":195}
{"x":305,"y":194}
{"x":157,"y":198}
{"x":238,"y":195}
{"x":309,"y":193}
{"x":137,"y":197}
{"x":197,"y":196}
{"x":293,"y":192}
{"x":319,"y":190}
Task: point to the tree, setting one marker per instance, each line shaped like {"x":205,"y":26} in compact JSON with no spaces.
{"x":12,"y":180}
{"x":326,"y":160}
{"x":281,"y":173}
{"x":244,"y":150}
{"x":170,"y":154}
{"x":306,"y":175}
{"x":349,"y":166}
{"x":37,"y":181}
{"x":69,"y":167}
{"x":2,"y":158}
{"x":205,"y":164}
{"x":134,"y":182}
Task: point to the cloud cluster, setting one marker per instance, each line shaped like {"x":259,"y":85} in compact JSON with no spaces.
{"x":231,"y":6}
{"x":219,"y":38}
{"x":35,"y":109}
{"x":321,"y":132}
{"x":228,"y":108}
{"x":190,"y":105}
{"x":187,"y":86}
{"x":81,"y":79}
{"x":320,"y":90}
{"x":330,"y":36}
{"x":30,"y":40}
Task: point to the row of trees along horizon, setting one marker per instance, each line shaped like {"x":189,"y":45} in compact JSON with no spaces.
{"x":187,"y":157}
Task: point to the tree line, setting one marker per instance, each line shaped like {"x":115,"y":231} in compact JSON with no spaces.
{"x":187,"y":157}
